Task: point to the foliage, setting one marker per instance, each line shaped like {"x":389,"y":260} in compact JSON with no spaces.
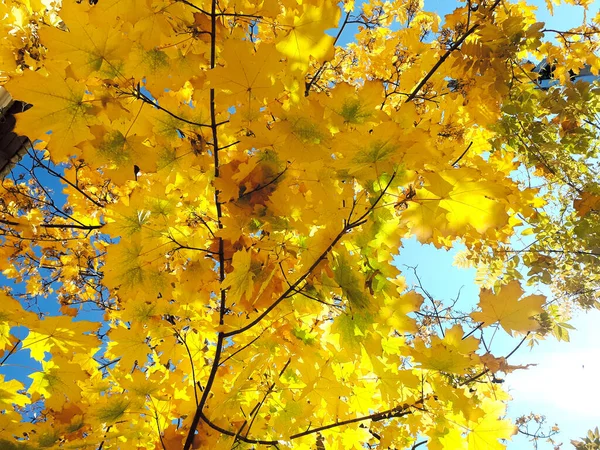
{"x":590,"y":442}
{"x":215,"y":193}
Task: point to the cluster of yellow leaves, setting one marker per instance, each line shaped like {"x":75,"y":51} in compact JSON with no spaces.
{"x":236,"y":189}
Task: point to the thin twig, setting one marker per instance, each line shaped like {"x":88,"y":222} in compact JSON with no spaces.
{"x":462,"y":155}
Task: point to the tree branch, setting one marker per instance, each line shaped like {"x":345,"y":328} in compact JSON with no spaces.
{"x":56,"y":225}
{"x":398,"y":411}
{"x":349,"y":225}
{"x":445,"y":56}
{"x":222,"y":307}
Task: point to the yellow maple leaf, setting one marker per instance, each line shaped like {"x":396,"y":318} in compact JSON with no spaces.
{"x":396,"y":309}
{"x":111,"y":408}
{"x":365,"y":157}
{"x":306,"y":37}
{"x":500,"y":364}
{"x":452,"y":201}
{"x":301,"y":136}
{"x":451,"y":354}
{"x":352,"y":107}
{"x":11,"y":424}
{"x":12,"y":314}
{"x":350,"y":280}
{"x":59,"y":333}
{"x":240,"y":282}
{"x":453,"y":439}
{"x":90,"y":49}
{"x":486,"y":430}
{"x":57,"y":382}
{"x":143,"y":385}
{"x":62,"y":106}
{"x":129,"y":344}
{"x":250,"y":75}
{"x":121,"y":149}
{"x":353,"y":437}
{"x":505,"y":307}
{"x":9,"y":394}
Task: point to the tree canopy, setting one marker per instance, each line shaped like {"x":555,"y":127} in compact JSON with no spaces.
{"x":199,"y":245}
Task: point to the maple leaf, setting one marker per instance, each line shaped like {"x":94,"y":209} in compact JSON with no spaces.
{"x":183,"y":120}
{"x":484,"y":432}
{"x":396,"y":310}
{"x":111,"y":408}
{"x":248,"y":83}
{"x":121,"y":149}
{"x":451,"y":354}
{"x":129,"y":345}
{"x":59,"y":333}
{"x":57,"y":382}
{"x":12,"y":314}
{"x":164,"y":70}
{"x":500,"y":364}
{"x":9,"y":393}
{"x":352,"y":329}
{"x":506,"y":308}
{"x":299,"y":137}
{"x":347,"y":278}
{"x":455,"y":200}
{"x":377,"y":154}
{"x":356,"y":107}
{"x":304,"y":33}
{"x":586,"y":203}
{"x":62,"y":107}
{"x":90,"y":49}
{"x":142,"y":386}
{"x":352,"y":437}
{"x":240,"y":281}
